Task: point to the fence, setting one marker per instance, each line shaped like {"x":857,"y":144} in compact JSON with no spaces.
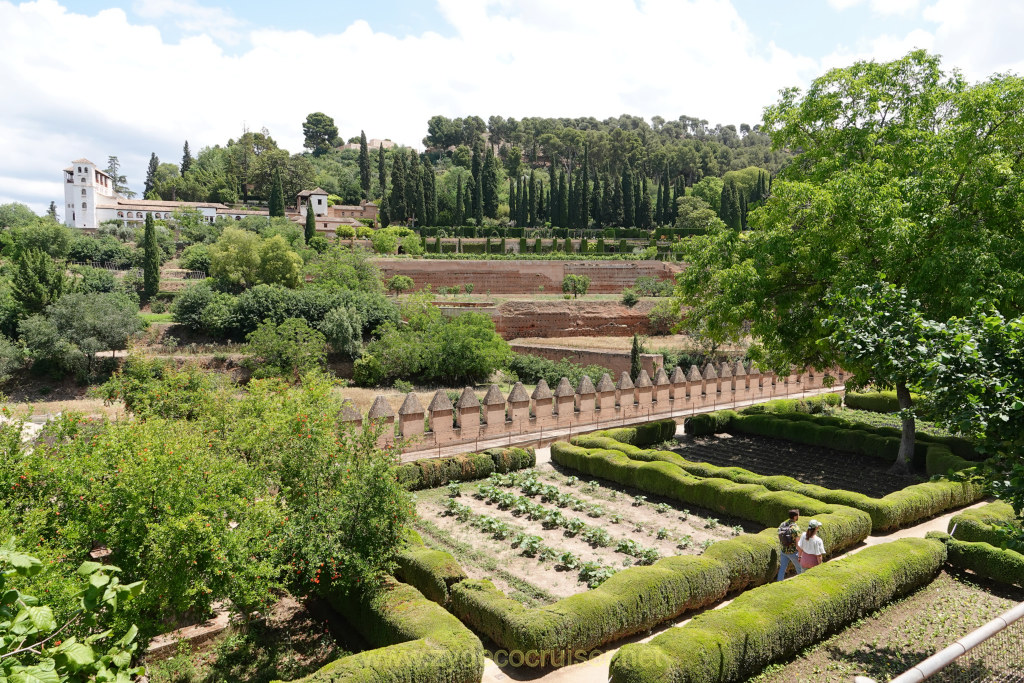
{"x":993,"y":653}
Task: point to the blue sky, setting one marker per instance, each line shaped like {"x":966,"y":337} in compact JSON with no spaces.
{"x":131,"y":77}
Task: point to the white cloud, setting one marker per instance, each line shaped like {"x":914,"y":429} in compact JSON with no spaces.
{"x":978,"y":36}
{"x":192,"y":17}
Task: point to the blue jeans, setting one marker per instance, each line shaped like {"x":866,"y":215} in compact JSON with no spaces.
{"x":784,"y":560}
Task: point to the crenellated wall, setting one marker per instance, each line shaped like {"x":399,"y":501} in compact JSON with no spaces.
{"x":470,"y":419}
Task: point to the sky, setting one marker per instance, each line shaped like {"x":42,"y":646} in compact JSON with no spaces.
{"x":94,"y":78}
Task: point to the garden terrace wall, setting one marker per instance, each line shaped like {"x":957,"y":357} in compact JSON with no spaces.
{"x":572,"y":318}
{"x":777,"y":621}
{"x":524,"y":276}
{"x":417,"y":640}
{"x":615,"y":361}
{"x":519,"y":414}
{"x":896,"y":510}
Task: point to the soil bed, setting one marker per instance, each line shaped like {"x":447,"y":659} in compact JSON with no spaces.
{"x":903,"y":634}
{"x":541,"y":575}
{"x":809,"y":464}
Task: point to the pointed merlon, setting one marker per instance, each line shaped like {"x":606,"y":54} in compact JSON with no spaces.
{"x":380,"y":409}
{"x":661,"y":377}
{"x":493,"y":396}
{"x":643,"y":379}
{"x":709,"y":372}
{"x":738,"y":370}
{"x":625,"y":383}
{"x":605,"y":384}
{"x":724,"y":370}
{"x":586,"y":386}
{"x":440,"y":402}
{"x":469,"y":399}
{"x":564,"y":388}
{"x":678,"y":376}
{"x":694,"y":374}
{"x":411,"y":406}
{"x":752,"y":370}
{"x":349,"y":413}
{"x":543,"y":391}
{"x":518,"y":394}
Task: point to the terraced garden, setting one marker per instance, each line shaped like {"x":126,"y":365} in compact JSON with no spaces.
{"x":543,"y":534}
{"x":809,"y":464}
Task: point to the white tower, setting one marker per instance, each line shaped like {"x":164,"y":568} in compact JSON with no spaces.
{"x":84,"y":185}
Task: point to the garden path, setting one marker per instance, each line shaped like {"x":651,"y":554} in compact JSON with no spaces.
{"x":596,"y":669}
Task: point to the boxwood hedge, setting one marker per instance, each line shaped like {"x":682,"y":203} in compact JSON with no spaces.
{"x":981,"y":524}
{"x":646,"y":434}
{"x":778,"y":620}
{"x":894,"y":511}
{"x":875,"y":401}
{"x":429,"y":473}
{"x":986,"y":560}
{"x":416,"y":639}
{"x":432,"y":572}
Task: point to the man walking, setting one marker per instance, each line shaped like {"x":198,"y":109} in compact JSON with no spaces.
{"x":789,"y":532}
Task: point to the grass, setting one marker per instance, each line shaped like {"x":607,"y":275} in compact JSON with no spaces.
{"x":157,"y":317}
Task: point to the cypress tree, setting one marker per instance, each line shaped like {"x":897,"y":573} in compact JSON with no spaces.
{"x":276,"y":203}
{"x":531,"y":200}
{"x":628,"y":215}
{"x":51,"y":212}
{"x":381,"y":171}
{"x":154,"y":164}
{"x":743,"y":211}
{"x":477,"y":169}
{"x":646,"y":207}
{"x":553,"y":194}
{"x":186,"y":159}
{"x":730,"y":212}
{"x":637,"y":221}
{"x":467,"y":200}
{"x":310,"y":222}
{"x":563,"y":202}
{"x":659,"y":206}
{"x":584,"y":212}
{"x":541,"y":204}
{"x":399,"y":210}
{"x":571,"y":202}
{"x":364,"y":165}
{"x":634,"y":359}
{"x":460,"y":216}
{"x":384,"y":215}
{"x":490,"y":173}
{"x":524,"y":202}
{"x":151,"y":260}
{"x":512,"y":212}
{"x":429,"y":191}
{"x":595,"y":202}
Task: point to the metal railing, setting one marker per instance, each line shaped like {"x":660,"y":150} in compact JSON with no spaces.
{"x":993,"y":653}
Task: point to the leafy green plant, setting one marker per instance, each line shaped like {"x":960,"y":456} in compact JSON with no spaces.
{"x":572,"y":481}
{"x":639,"y":500}
{"x":711,"y":523}
{"x":569,"y":561}
{"x":627,"y":546}
{"x":662,"y":533}
{"x":662,"y":508}
{"x":453,"y":489}
{"x":594,"y":574}
{"x":596,"y":536}
{"x":574,"y":526}
{"x":684,"y":542}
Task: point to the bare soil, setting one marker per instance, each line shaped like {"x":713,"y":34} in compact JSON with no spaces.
{"x":809,"y":464}
{"x":624,"y":518}
{"x":906,"y":632}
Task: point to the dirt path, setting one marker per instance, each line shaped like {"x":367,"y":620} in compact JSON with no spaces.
{"x":596,"y":670}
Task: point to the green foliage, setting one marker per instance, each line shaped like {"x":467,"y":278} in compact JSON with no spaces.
{"x":342,"y":327}
{"x":156,"y":388}
{"x":630,"y":298}
{"x":12,"y":358}
{"x":577,"y":285}
{"x":289,"y":349}
{"x":29,"y":652}
{"x":309,"y":231}
{"x":987,"y":561}
{"x":875,"y":401}
{"x":151,"y":260}
{"x":241,"y":259}
{"x":531,"y":369}
{"x":195,"y":257}
{"x":37,"y":281}
{"x":434,"y":472}
{"x":777,"y":621}
{"x":319,"y":133}
{"x":399,"y":283}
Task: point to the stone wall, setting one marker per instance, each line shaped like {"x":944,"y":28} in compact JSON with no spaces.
{"x":616,"y":361}
{"x":525,"y":277}
{"x":572,"y":318}
{"x":519,"y":413}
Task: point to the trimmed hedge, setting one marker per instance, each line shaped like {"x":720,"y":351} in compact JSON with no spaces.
{"x":980,"y":524}
{"x":810,"y":405}
{"x":428,"y":473}
{"x":432,"y":572}
{"x":709,"y":424}
{"x":646,"y":434}
{"x":985,"y":560}
{"x":778,"y":620}
{"x":896,"y":510}
{"x":417,"y":641}
{"x":843,"y":526}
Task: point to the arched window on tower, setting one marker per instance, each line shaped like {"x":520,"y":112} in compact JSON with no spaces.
{"x":83,"y":205}
{"x":83,"y":191}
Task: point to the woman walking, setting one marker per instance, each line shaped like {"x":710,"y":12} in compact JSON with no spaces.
{"x":810,"y":546}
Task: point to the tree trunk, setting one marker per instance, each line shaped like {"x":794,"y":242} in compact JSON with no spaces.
{"x":902,"y":464}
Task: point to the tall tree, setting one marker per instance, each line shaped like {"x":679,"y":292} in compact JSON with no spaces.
{"x":37,"y":280}
{"x":310,"y":232}
{"x":186,"y":159}
{"x":903,"y":171}
{"x":120,"y":183}
{"x":490,"y":189}
{"x":477,"y":169}
{"x":276,"y":204}
{"x":563,"y":202}
{"x":512,"y":210}
{"x":460,"y":213}
{"x":628,"y":214}
{"x":634,"y":359}
{"x":553,"y":198}
{"x":51,"y":212}
{"x":382,"y":179}
{"x":644,"y":211}
{"x":584,"y":205}
{"x":319,"y":133}
{"x":730,"y":211}
{"x":150,"y":260}
{"x":467,"y":199}
{"x":531,"y":200}
{"x":364,"y":165}
{"x":399,"y":210}
{"x":429,"y":192}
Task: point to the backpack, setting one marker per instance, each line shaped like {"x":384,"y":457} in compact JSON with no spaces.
{"x":788,"y":535}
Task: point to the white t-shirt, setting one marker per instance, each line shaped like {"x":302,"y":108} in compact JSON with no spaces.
{"x":811,"y":546}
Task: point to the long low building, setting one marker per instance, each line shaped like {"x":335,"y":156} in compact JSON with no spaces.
{"x":90,"y":200}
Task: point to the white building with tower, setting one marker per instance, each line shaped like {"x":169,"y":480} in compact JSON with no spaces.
{"x":90,"y":199}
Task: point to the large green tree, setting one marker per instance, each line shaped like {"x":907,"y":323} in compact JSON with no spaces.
{"x":904,"y":172}
{"x":319,"y":133}
{"x":276,"y":205}
{"x":364,"y":165}
{"x":150,"y":260}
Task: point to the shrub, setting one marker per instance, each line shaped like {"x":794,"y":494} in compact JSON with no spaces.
{"x":987,"y":561}
{"x":708,"y":424}
{"x":416,"y":638}
{"x":985,"y":524}
{"x":875,"y":401}
{"x":432,"y":472}
{"x":778,"y":620}
{"x":286,"y":350}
